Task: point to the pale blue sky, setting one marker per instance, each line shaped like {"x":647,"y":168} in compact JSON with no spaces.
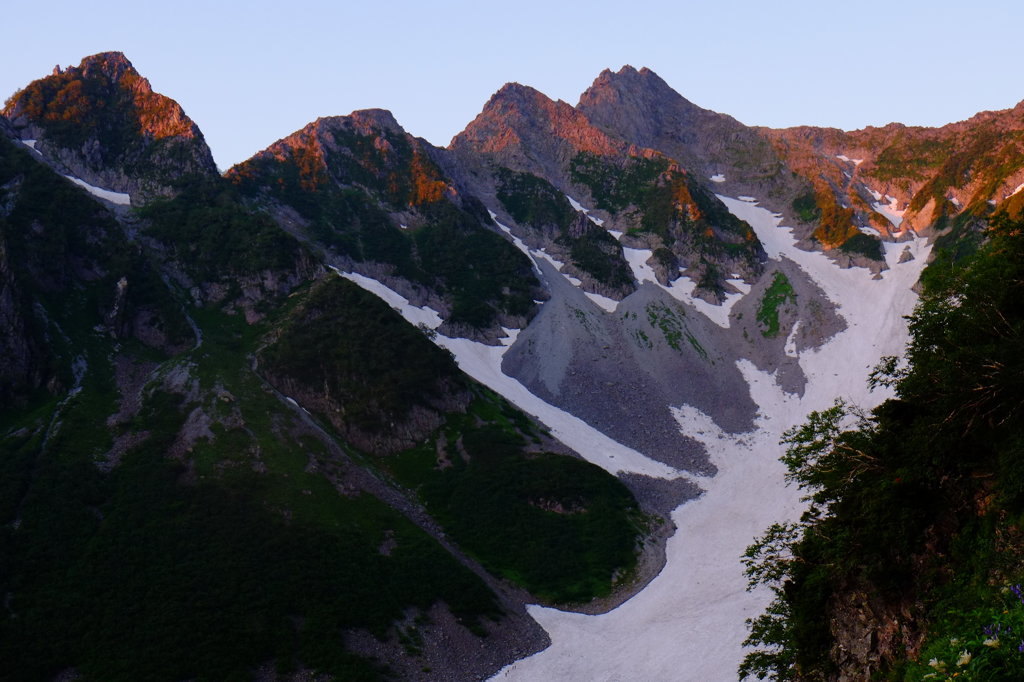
{"x":250,"y":73}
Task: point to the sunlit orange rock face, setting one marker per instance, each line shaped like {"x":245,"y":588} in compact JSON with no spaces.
{"x":96,"y":88}
{"x":427,"y":185}
{"x":934,"y":173}
{"x":103,"y":121}
{"x":366,"y":149}
{"x":518,"y":116}
{"x":685,"y":203}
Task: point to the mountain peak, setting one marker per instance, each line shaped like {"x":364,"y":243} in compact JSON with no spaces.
{"x":100,"y":122}
{"x":517,"y":95}
{"x":369,"y":120}
{"x":518,"y":116}
{"x":113,"y":65}
{"x":627,"y":83}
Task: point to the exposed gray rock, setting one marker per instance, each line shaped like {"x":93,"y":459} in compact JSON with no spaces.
{"x":815,"y":313}
{"x":620,"y":372}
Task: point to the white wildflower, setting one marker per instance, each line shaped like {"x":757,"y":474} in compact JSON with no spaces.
{"x":992,"y":642}
{"x":965,"y":658}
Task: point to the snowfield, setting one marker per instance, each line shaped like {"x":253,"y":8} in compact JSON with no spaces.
{"x":689,"y":623}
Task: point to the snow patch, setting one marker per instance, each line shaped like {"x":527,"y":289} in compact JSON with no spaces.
{"x":844,"y":157}
{"x":717,"y":177}
{"x":890,"y":210}
{"x":790,"y":348}
{"x":1015,"y":191}
{"x":119,"y":198}
{"x":295,"y":404}
{"x":510,"y":336}
{"x":605,"y":303}
{"x":483,"y":363}
{"x":416,"y":315}
{"x":31,"y":144}
{"x":577,"y":206}
{"x":869,"y":230}
{"x":682,"y":288}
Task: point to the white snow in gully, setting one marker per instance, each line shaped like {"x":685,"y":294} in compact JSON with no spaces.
{"x":119,"y":198}
{"x":682,"y":287}
{"x":689,"y":623}
{"x":483,"y":363}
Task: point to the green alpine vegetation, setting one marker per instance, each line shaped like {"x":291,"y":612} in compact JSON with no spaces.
{"x":660,"y":199}
{"x":560,"y":527}
{"x":354,"y":188}
{"x":166,"y":514}
{"x":915,"y":509}
{"x":535,"y":202}
{"x":779,"y":292}
{"x":862,"y":244}
{"x":207,"y":228}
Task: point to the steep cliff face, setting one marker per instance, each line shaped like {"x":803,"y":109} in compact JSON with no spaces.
{"x":63,"y":258}
{"x":102,"y":122}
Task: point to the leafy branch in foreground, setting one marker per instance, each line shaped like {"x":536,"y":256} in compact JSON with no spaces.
{"x":915,"y":511}
{"x":821,"y":457}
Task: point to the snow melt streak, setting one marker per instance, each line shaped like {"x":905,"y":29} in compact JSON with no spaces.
{"x":483,"y":363}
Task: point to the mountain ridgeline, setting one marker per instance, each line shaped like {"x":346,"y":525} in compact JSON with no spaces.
{"x":223,"y":456}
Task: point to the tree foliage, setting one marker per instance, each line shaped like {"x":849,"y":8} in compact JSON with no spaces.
{"x":909,"y":500}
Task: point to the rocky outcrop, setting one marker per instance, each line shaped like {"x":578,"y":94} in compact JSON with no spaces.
{"x":522,"y":129}
{"x":102,"y":122}
{"x":620,"y":372}
{"x":869,"y":634}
